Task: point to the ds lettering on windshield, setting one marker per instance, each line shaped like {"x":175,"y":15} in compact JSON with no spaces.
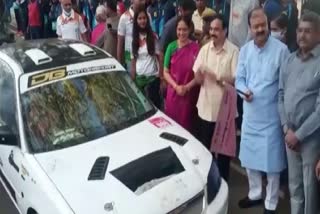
{"x":47,"y":77}
{"x":61,"y":73}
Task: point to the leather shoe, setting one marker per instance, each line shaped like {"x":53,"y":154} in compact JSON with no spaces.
{"x":248,"y":203}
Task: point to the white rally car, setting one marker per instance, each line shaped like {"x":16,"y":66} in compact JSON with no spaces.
{"x":78,"y":137}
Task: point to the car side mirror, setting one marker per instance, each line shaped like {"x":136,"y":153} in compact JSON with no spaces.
{"x":7,"y":137}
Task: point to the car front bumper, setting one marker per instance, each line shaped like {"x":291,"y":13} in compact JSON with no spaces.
{"x":220,"y":204}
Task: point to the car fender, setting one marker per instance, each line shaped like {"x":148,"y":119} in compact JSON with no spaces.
{"x":39,"y":193}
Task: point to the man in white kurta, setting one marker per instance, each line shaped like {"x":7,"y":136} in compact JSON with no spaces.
{"x":262,"y":148}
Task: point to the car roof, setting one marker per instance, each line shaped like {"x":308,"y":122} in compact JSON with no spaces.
{"x":36,"y":55}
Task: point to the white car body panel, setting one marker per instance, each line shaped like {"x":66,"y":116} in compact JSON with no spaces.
{"x":76,"y":162}
{"x":220,"y":204}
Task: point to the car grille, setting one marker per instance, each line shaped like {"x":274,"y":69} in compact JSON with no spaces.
{"x":193,"y":206}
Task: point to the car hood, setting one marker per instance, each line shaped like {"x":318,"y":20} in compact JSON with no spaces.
{"x":144,"y":172}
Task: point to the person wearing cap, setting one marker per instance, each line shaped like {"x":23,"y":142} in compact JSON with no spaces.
{"x":101,"y":17}
{"x":197,"y":17}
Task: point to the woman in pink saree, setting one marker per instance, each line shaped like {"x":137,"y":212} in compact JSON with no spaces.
{"x":182,"y":91}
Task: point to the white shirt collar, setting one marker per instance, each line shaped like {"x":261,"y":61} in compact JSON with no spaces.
{"x":66,"y":17}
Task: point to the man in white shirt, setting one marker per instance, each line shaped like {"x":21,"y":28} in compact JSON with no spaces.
{"x":70,"y":24}
{"x":125,"y":33}
{"x":215,"y":65}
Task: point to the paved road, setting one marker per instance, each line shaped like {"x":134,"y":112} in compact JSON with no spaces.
{"x":239,"y":188}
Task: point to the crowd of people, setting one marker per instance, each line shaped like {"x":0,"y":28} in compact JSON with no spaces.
{"x":192,"y":59}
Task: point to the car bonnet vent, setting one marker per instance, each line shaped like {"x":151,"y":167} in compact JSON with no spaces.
{"x":38,"y":56}
{"x":174,"y":138}
{"x":99,"y":169}
{"x":83,"y":49}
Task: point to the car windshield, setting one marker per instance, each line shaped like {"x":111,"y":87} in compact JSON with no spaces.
{"x":74,"y":111}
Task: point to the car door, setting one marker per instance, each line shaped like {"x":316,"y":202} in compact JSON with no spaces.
{"x":11,"y":156}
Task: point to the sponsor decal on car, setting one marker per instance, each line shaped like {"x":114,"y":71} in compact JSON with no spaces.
{"x":56,"y":74}
{"x":160,"y":122}
{"x":90,"y":69}
{"x":46,"y":76}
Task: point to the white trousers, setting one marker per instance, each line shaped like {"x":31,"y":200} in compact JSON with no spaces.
{"x":272,"y":191}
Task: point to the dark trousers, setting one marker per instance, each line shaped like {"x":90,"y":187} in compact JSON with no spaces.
{"x":23,"y":16}
{"x":35,"y":32}
{"x":152,"y":91}
{"x":240,"y":111}
{"x":18,"y":21}
{"x":51,"y":32}
{"x":205,"y":134}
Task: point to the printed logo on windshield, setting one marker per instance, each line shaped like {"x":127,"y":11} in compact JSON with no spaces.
{"x":46,"y":77}
{"x":61,"y":73}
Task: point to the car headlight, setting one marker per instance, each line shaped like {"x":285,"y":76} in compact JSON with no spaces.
{"x":213,"y":182}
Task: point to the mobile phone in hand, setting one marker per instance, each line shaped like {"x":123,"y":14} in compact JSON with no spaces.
{"x":242,"y":93}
